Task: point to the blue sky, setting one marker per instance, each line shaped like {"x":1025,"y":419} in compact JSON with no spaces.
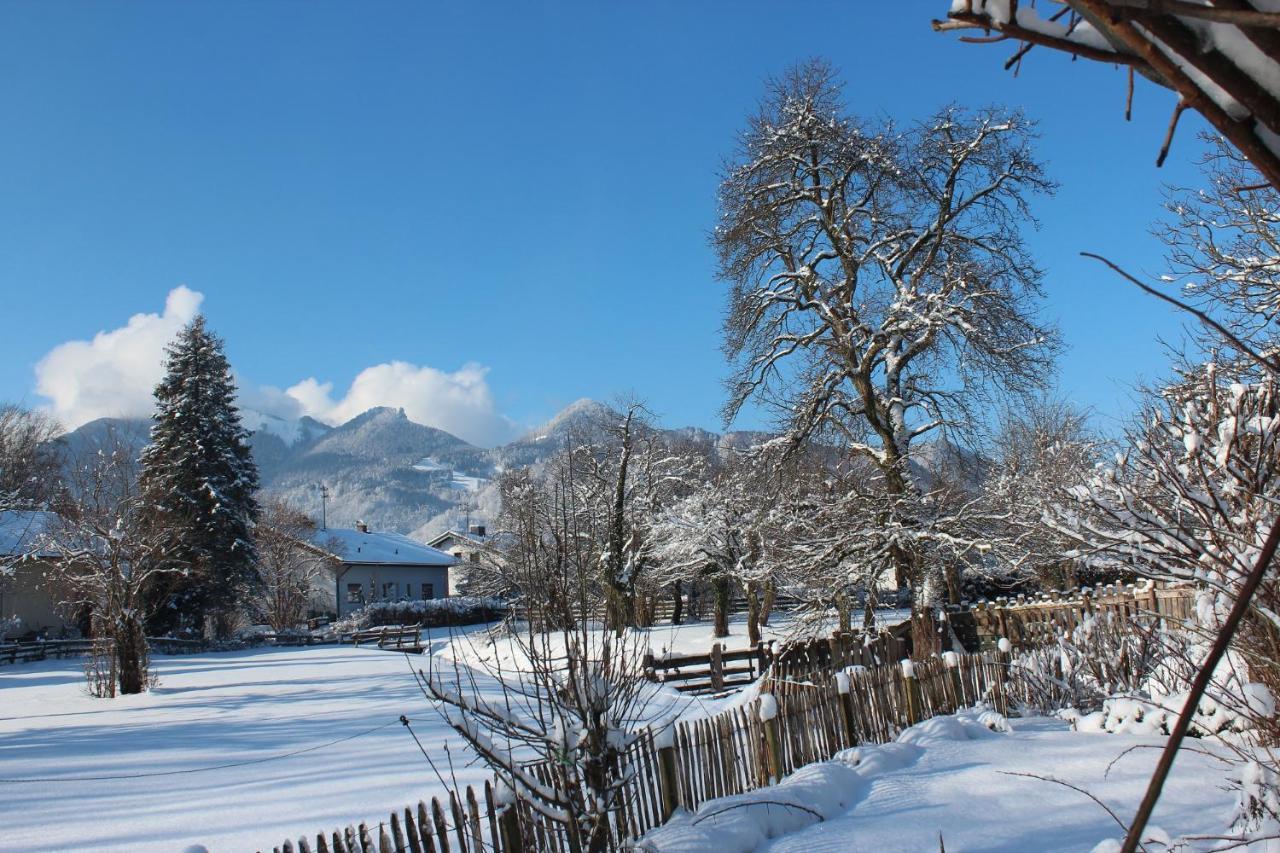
{"x":522,"y":187}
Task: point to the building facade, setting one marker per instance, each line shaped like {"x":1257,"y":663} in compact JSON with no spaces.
{"x":376,"y":566}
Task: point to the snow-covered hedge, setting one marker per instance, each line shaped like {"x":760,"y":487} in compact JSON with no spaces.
{"x":430,"y":613}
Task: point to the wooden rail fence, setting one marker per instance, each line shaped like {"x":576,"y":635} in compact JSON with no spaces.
{"x":45,"y":649}
{"x":720,"y":670}
{"x":818,"y":714}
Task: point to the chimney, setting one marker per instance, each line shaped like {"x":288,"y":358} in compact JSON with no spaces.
{"x":477,"y":530}
{"x":362,"y":527}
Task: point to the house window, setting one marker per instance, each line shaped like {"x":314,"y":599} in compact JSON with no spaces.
{"x":475,"y":556}
{"x":355,"y":593}
{"x":428,"y":590}
{"x":389,"y":590}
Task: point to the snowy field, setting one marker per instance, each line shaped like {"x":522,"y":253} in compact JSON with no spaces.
{"x":166,"y":752}
{"x":340,"y":704}
{"x":240,"y":750}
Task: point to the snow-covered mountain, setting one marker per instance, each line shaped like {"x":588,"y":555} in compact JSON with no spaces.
{"x":395,"y":474}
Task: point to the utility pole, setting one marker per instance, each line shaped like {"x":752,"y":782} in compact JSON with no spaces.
{"x":324,"y":509}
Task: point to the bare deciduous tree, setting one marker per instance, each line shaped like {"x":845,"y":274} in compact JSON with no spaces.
{"x":290,"y":564}
{"x":105,"y":558}
{"x":30,"y":457}
{"x":880,"y":285}
{"x":571,"y":701}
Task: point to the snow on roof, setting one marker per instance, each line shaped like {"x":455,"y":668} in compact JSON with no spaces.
{"x":357,"y":546}
{"x":21,"y":532}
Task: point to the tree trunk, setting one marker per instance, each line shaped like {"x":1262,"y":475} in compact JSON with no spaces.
{"x":131,"y":655}
{"x":844,"y":612}
{"x":953,"y":583}
{"x":720,"y":592}
{"x":770,"y":596}
{"x":644,"y":610}
{"x":869,"y":609}
{"x":677,"y":604}
{"x":753,"y":613}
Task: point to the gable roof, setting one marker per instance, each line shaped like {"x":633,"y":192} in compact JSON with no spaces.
{"x":453,"y":534}
{"x":22,"y":533}
{"x":390,"y":549}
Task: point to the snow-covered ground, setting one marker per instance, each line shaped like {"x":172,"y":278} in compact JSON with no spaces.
{"x":697,"y":637}
{"x":166,"y":752}
{"x":956,"y":780}
{"x":339,"y":704}
{"x":241,"y":750}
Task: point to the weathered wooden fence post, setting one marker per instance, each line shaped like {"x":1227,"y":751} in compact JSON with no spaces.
{"x":768,"y":711}
{"x":1004,"y":655}
{"x":508,"y":819}
{"x":951,"y":661}
{"x":717,"y":667}
{"x":846,"y":709}
{"x":911,"y":691}
{"x":668,"y":773}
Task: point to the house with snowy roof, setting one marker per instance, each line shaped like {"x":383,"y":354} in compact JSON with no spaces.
{"x":377,"y":566}
{"x":24,"y":562}
{"x":466,"y":547}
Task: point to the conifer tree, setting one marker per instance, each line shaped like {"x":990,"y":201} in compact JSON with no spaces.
{"x":200,"y":480}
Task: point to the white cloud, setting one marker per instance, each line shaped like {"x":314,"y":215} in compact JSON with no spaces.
{"x":459,"y":402}
{"x":114,"y":374}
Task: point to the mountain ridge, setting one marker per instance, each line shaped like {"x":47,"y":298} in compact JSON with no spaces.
{"x":385,"y":469}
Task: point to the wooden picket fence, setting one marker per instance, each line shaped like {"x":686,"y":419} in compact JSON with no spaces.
{"x":700,"y":760}
{"x":737,"y":751}
{"x":1034,"y":621}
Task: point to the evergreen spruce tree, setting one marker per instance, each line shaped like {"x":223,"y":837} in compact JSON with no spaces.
{"x":200,"y":480}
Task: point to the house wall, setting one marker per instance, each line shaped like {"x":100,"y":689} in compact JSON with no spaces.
{"x":24,"y":594}
{"x":467,"y":551}
{"x":373,"y":579}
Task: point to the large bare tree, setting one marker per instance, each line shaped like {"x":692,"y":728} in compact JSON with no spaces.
{"x":880,"y":285}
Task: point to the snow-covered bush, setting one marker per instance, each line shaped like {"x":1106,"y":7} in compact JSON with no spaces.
{"x":10,"y":625}
{"x":1230,"y":710}
{"x":428,"y":612}
{"x":557,"y":737}
{"x":1104,"y":655}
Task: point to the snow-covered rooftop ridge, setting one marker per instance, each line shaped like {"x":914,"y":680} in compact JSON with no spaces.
{"x":360,"y":546}
{"x":21,"y":532}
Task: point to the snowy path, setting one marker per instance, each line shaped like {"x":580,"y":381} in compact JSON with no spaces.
{"x":208,"y":710}
{"x":959,"y":788}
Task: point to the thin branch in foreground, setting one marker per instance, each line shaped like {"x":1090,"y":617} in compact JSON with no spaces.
{"x":718,"y":812}
{"x":1075,"y":788}
{"x":1272,"y":365}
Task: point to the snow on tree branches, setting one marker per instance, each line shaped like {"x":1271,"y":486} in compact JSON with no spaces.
{"x":199,"y":481}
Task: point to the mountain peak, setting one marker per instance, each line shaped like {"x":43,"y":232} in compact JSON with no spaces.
{"x":581,"y":412}
{"x":377,"y":413}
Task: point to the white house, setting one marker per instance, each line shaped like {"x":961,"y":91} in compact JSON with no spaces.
{"x":24,"y":591}
{"x":379,"y":566}
{"x":465,"y":547}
